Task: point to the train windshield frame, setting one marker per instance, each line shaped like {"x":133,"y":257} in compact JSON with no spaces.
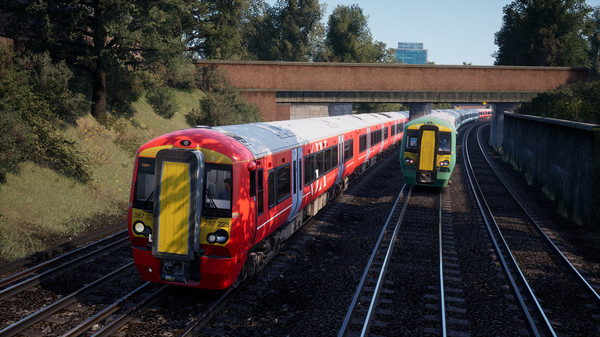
{"x":218,"y":186}
{"x":144,"y":184}
{"x":444,"y":142}
{"x":412,"y":140}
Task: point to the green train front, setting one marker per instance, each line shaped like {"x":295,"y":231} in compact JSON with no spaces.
{"x":428,"y":151}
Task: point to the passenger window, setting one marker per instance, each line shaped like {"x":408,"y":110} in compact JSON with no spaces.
{"x":309,"y":169}
{"x":348,"y":149}
{"x":362,"y":143}
{"x":283,"y":183}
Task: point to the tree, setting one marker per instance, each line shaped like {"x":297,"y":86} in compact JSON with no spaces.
{"x":223,"y":34}
{"x":543,"y":33}
{"x":594,"y":39}
{"x":349,"y":38}
{"x":103,"y":36}
{"x":289,"y":31}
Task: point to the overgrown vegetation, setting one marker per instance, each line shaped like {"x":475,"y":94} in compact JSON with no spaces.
{"x":222,"y":104}
{"x":36,"y":104}
{"x":62,"y":171}
{"x":576,"y":102}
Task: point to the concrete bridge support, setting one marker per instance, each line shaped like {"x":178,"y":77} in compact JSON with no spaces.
{"x":417,"y":110}
{"x":497,"y":127}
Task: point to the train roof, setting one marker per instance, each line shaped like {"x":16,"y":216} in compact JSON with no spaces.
{"x":270,"y":137}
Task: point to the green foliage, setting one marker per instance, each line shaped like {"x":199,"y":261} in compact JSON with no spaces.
{"x":594,"y":40}
{"x":577,"y":102}
{"x":543,"y":33}
{"x":31,"y":117}
{"x":162,"y":102}
{"x":15,"y":97}
{"x":349,"y":38}
{"x":289,"y":31}
{"x":380,"y":107}
{"x":123,"y":87}
{"x":222,"y":104}
{"x":107,"y":37}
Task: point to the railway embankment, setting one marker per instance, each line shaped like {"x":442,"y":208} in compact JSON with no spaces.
{"x":561,"y":156}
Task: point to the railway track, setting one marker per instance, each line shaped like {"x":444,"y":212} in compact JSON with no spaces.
{"x":552,"y":295}
{"x":416,"y":243}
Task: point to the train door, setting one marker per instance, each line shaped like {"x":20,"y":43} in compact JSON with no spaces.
{"x":368,"y":143}
{"x":427,"y":154}
{"x":340,"y":157}
{"x":260,"y":216}
{"x":296,"y":181}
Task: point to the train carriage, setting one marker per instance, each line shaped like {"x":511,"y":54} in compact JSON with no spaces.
{"x":428,"y":152}
{"x":208,"y":203}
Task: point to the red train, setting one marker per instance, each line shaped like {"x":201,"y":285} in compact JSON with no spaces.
{"x":208,"y":205}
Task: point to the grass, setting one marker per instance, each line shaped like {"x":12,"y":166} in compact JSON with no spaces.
{"x":40,"y":208}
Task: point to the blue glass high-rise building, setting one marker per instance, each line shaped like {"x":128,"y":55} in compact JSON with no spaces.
{"x":411,"y":53}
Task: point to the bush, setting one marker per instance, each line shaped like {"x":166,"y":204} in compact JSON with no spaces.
{"x":578,"y":102}
{"x":30,"y":120}
{"x":222,"y":104}
{"x":162,"y":102}
{"x":51,"y":82}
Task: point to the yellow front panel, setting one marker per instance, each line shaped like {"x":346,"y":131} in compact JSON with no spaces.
{"x":174,"y":208}
{"x":427,"y":151}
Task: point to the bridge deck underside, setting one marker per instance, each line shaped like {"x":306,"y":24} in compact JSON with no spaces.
{"x":401,"y":96}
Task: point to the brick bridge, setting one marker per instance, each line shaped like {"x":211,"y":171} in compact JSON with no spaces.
{"x":276,"y":86}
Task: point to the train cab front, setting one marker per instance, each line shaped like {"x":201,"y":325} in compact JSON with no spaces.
{"x":427,"y":156}
{"x":180,"y":219}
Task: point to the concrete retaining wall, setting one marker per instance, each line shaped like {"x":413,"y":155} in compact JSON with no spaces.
{"x":562,"y":156}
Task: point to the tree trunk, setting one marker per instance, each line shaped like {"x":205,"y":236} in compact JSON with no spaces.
{"x":99,"y":95}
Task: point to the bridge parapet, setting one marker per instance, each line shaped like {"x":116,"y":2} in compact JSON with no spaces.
{"x":276,"y":85}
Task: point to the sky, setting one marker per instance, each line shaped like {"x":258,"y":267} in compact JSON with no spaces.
{"x":453,"y":32}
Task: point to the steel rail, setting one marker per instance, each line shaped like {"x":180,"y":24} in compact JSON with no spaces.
{"x":120,"y":321}
{"x":442,"y":300}
{"x":33,"y":281}
{"x":62,"y":303}
{"x":363,"y":279}
{"x":549,"y":241}
{"x":388,"y":256}
{"x":486,"y":210}
{"x":22,"y":274}
{"x":99,"y":316}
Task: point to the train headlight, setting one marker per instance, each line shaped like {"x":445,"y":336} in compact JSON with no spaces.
{"x":408,"y":160}
{"x":220,"y":236}
{"x":140,"y":228}
{"x":445,"y":163}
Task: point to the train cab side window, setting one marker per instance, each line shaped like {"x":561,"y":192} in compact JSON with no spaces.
{"x":362,"y":143}
{"x":412,"y":140}
{"x":445,"y":141}
{"x":348,"y":149}
{"x":219,"y":186}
